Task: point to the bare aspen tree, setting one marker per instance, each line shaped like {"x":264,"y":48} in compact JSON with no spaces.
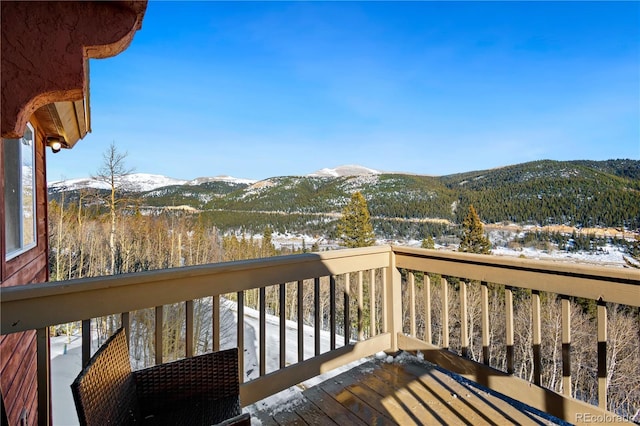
{"x":113,"y":172}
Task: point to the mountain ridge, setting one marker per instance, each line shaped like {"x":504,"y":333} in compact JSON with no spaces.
{"x":582,"y":193}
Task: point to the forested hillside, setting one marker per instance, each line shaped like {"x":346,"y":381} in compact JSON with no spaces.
{"x":574,"y":193}
{"x":579,"y":193}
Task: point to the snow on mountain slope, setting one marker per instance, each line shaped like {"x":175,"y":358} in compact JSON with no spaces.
{"x":221,"y":178}
{"x":346,"y":170}
{"x":132,"y":182}
{"x":147,"y":182}
{"x":141,"y":182}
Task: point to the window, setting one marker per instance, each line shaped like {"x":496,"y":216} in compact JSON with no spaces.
{"x":19,"y":193}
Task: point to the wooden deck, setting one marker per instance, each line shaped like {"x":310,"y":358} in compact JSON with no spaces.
{"x":399,"y":393}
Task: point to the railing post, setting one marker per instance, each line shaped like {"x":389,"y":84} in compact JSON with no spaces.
{"x":393,"y":290}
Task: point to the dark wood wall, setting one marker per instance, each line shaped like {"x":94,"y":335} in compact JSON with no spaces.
{"x":18,"y":375}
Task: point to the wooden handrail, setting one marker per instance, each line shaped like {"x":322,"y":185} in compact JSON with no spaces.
{"x":615,"y":285}
{"x":35,"y":306}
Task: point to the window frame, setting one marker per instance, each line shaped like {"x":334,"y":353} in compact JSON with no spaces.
{"x":23,"y":246}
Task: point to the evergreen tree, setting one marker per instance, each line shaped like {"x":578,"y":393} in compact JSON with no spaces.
{"x":355,"y":227}
{"x":634,"y":254}
{"x":473,"y":238}
{"x":268,"y":249}
{"x":428,"y":243}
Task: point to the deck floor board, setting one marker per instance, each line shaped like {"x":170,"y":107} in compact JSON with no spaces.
{"x":400,"y":393}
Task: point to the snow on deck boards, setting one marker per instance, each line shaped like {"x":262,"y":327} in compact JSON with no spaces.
{"x":404,"y":392}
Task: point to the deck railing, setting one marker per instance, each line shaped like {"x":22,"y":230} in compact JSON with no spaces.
{"x":510,"y":279}
{"x":367,"y":312}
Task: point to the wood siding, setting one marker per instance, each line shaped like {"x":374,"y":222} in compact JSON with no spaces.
{"x":18,"y":375}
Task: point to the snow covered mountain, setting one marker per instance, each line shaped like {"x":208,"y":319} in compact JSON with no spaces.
{"x":346,"y":170}
{"x":139,"y":182}
{"x":220,"y":178}
{"x":142,"y":182}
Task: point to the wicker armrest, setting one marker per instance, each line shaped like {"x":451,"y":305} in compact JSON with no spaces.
{"x":241,"y":420}
{"x":198,"y":390}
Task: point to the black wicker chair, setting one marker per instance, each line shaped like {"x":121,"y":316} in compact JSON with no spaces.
{"x":202,"y":390}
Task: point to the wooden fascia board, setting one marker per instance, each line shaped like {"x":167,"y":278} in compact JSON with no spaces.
{"x":68,"y":119}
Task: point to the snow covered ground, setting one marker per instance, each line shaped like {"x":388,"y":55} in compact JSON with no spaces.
{"x":608,"y":255}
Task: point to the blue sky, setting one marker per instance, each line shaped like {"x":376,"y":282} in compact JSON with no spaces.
{"x":261,"y":89}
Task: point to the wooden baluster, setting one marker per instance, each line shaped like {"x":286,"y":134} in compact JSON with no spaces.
{"x":263,"y":332}
{"x":86,"y":342}
{"x":484,"y":300}
{"x":412,"y":303}
{"x":385,"y":297}
{"x":188,"y":344}
{"x":316,"y":313}
{"x":347,"y":308}
{"x":300,"y":321}
{"x":360,"y":308}
{"x":445,"y":313}
{"x":566,"y":346}
{"x":125,"y":321}
{"x":602,"y":355}
{"x":372,"y":302}
{"x":427,"y":309}
{"x":464,"y":320}
{"x":283,"y":324}
{"x":508,"y":306}
{"x":240,"y":335}
{"x":43,"y":366}
{"x":215,"y":323}
{"x":537,"y":337}
{"x":159,"y":335}
{"x":332,"y":310}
